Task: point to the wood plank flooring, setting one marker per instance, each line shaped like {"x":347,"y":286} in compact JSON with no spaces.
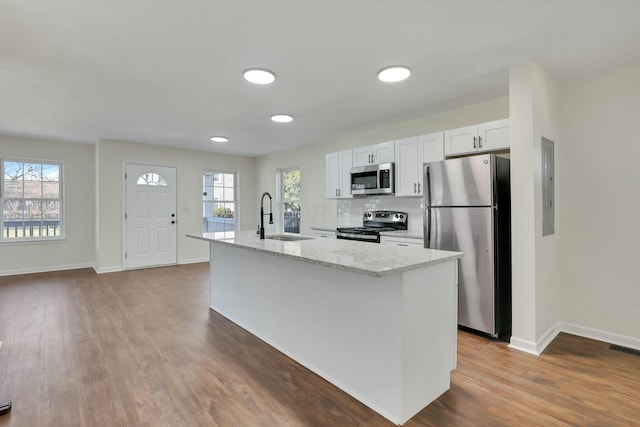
{"x":141,"y":348}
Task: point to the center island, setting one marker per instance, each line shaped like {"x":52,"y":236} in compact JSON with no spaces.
{"x":377,"y":321}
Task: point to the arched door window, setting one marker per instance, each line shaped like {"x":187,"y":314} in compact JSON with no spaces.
{"x":152,"y":178}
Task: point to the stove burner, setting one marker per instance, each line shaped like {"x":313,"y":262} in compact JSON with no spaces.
{"x":374,"y":223}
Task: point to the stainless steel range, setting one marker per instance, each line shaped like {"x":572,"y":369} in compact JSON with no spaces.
{"x":373,"y":223}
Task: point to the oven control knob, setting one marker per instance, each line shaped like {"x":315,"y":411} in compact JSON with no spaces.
{"x":401,"y":216}
{"x":396,"y":215}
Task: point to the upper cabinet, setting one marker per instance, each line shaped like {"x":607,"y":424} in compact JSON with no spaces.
{"x":383,"y":152}
{"x":488,"y":136}
{"x":410,"y":155}
{"x":338,"y":178}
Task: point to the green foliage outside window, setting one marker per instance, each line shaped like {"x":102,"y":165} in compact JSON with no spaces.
{"x":222,"y":212}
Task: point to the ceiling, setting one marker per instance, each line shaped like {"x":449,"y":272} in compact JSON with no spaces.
{"x":169,"y":72}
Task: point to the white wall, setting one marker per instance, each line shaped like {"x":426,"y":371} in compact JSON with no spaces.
{"x":77,"y":249}
{"x":599,"y":177}
{"x":319,"y":211}
{"x":523,"y":262}
{"x":534,"y":111}
{"x":546,"y":123}
{"x":111,"y":157}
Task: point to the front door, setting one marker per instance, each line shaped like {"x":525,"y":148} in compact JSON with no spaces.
{"x":150,"y":216}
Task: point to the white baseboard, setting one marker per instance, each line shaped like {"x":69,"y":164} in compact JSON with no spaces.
{"x":193,"y":260}
{"x":118,"y":268}
{"x":524,"y":345}
{"x":113,"y":269}
{"x":31,"y":270}
{"x":599,"y":335}
{"x":582,"y":331}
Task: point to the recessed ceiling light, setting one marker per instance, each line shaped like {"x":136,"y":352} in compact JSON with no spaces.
{"x":282,"y":118}
{"x":219,"y":139}
{"x":259,"y":76}
{"x":395,"y":73}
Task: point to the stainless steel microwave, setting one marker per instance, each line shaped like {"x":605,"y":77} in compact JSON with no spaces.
{"x":373,"y":179}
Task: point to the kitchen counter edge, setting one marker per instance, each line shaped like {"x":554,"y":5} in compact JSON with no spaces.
{"x":318,"y":251}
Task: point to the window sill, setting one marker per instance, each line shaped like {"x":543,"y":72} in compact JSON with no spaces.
{"x":38,"y":241}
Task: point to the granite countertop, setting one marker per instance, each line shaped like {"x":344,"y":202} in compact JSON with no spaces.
{"x":349,"y":255}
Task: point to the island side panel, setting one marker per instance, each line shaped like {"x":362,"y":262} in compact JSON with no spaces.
{"x":344,"y":326}
{"x":429,"y":334}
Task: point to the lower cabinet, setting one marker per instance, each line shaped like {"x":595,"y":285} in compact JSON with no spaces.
{"x":324,"y":233}
{"x":402,"y":241}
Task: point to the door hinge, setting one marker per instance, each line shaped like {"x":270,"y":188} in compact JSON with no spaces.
{"x":125,"y":175}
{"x":125,"y":215}
{"x":125,"y":255}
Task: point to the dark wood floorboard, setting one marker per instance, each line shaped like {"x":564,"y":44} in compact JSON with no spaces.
{"x":142,"y":348}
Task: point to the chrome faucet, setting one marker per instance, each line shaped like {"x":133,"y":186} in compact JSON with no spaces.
{"x":262,"y":214}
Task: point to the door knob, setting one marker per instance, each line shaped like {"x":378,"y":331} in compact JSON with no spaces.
{"x":173,"y":222}
{"x":173,"y":215}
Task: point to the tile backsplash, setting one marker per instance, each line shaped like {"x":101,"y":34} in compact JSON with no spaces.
{"x":350,"y":211}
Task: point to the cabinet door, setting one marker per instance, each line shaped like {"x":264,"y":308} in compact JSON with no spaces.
{"x":324,"y":233}
{"x":432,"y":146}
{"x":362,"y":156}
{"x":407,"y":172}
{"x":346,"y":163}
{"x":332,"y":175}
{"x":402,"y":241}
{"x":383,"y":152}
{"x":461,"y":141}
{"x":494,"y":135}
{"x":430,"y":149}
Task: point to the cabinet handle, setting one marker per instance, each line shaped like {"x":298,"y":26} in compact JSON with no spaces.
{"x":402,"y":244}
{"x":373,"y":158}
{"x":336,"y":192}
{"x":418,"y":187}
{"x":474,"y":141}
{"x":479,"y":142}
{"x":414,"y":187}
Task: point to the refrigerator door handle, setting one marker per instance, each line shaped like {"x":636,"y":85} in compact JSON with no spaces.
{"x":427,"y":240}
{"x":427,"y":197}
{"x":427,"y":184}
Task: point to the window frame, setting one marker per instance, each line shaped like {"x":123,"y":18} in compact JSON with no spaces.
{"x":282,"y":201}
{"x":60,"y":199}
{"x":236,"y":192}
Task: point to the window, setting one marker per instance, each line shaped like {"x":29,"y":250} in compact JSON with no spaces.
{"x":151,"y":178}
{"x":218,"y":201}
{"x":290,"y":199}
{"x":31,"y":200}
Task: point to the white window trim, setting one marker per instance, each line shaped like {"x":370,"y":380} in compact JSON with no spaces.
{"x":32,"y":240}
{"x":281,"y":201}
{"x":236,"y":193}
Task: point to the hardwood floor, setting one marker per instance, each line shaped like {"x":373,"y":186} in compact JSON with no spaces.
{"x":141,"y":348}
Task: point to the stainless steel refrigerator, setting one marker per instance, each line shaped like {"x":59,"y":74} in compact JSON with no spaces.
{"x":467,"y":209}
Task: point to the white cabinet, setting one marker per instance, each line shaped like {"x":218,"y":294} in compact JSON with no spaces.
{"x":490,"y":136}
{"x":411,"y":154}
{"x":383,"y":152}
{"x":338,"y":178}
{"x":402,"y":241}
{"x":324,"y":233}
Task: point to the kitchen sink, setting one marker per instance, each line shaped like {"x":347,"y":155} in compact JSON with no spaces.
{"x":287,"y":237}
